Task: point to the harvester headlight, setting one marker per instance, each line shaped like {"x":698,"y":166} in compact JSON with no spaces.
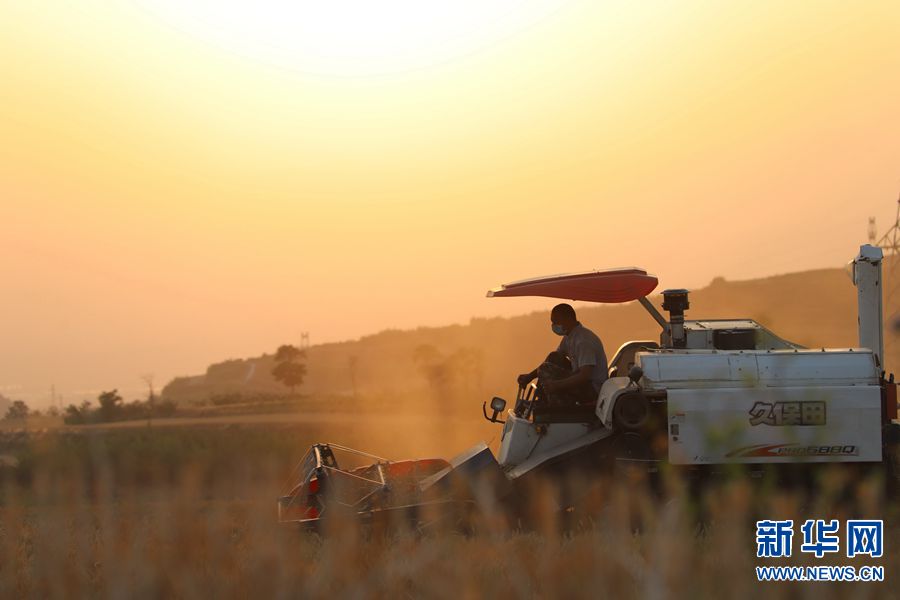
{"x":498,"y":404}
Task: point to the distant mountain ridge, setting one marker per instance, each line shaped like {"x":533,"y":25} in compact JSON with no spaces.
{"x":813,"y":308}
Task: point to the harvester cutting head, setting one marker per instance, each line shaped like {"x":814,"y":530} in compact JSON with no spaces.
{"x":363,"y":485}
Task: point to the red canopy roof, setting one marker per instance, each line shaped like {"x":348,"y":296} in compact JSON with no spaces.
{"x":613,"y":285}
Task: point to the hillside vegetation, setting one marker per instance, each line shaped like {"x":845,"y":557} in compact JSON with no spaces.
{"x":470,"y":363}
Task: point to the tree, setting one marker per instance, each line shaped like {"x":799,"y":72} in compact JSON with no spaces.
{"x":5,"y":403}
{"x":457,"y":375}
{"x":17,"y":410}
{"x":290,"y":374}
{"x":434,"y":368}
{"x":110,"y":404}
{"x":467,"y":365}
{"x":426,"y":354}
{"x":288,"y":353}
{"x":287,"y":370}
{"x":76,"y":415}
{"x":72,"y":416}
{"x":148,"y":379}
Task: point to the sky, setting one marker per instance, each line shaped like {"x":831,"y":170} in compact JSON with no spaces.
{"x":186,"y":182}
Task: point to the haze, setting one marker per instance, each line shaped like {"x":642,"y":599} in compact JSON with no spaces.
{"x":169,"y":201}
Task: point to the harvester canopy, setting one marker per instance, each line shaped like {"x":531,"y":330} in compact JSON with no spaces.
{"x":607,"y":286}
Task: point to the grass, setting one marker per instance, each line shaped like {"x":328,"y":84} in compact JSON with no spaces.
{"x":190,"y":512}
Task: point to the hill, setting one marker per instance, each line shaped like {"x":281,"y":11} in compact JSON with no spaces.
{"x":475,"y":361}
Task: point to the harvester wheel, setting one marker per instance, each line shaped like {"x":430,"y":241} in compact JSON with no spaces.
{"x":631,"y":412}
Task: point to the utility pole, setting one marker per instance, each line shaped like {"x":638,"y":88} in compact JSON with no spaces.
{"x":304,"y":340}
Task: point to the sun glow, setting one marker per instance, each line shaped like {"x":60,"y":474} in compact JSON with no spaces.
{"x":351,"y":37}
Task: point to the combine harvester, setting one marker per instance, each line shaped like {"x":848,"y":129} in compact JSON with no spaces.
{"x":710,"y":394}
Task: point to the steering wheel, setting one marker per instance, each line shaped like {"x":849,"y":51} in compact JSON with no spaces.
{"x":527,"y":395}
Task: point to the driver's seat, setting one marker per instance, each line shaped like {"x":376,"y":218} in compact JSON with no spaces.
{"x":623,"y":359}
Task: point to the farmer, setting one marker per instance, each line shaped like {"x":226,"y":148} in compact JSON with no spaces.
{"x":585,"y":353}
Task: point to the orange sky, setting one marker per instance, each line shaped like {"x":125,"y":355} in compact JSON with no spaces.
{"x":170,"y":200}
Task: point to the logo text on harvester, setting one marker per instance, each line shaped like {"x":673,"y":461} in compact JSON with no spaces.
{"x":775,"y":539}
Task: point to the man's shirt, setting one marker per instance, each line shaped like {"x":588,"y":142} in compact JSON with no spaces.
{"x":583,"y":347}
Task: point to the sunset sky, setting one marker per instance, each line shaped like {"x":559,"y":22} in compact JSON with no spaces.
{"x":185,"y":182}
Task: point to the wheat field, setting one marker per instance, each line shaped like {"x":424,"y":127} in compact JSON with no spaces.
{"x":190,"y":512}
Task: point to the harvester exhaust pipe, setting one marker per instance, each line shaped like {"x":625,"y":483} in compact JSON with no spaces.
{"x":867,"y":279}
{"x":676,"y":302}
